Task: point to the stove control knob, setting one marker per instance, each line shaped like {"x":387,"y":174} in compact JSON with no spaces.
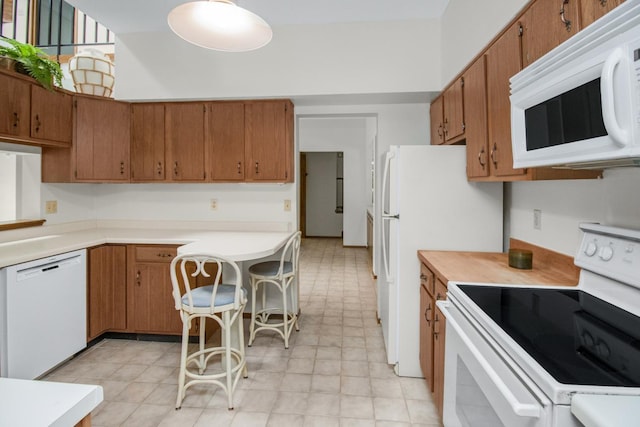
{"x":587,"y":339}
{"x":603,"y":350}
{"x":606,"y":253}
{"x":591,"y":249}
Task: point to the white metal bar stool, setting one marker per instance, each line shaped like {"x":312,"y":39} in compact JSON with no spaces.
{"x":282,"y":275}
{"x":219,"y":301}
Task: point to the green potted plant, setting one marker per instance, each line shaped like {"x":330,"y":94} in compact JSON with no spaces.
{"x":33,"y":61}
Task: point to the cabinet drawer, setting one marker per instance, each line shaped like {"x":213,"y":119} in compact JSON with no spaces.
{"x":427,"y":279}
{"x":441,"y":290}
{"x":155,"y":253}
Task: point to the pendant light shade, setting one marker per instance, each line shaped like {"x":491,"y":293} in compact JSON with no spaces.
{"x":219,"y":25}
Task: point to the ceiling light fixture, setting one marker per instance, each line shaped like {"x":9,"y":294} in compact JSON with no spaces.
{"x":219,"y":25}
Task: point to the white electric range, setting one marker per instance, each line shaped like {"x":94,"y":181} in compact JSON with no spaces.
{"x":519,"y":355}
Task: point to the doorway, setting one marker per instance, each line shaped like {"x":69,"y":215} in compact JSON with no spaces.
{"x":321,"y":194}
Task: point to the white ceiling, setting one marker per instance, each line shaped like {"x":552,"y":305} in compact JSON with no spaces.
{"x":133,"y":16}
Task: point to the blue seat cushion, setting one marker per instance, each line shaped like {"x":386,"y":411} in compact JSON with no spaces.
{"x":270,"y":268}
{"x":202,"y":295}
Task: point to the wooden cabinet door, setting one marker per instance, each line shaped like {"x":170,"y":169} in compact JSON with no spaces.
{"x":151,"y":308}
{"x":14,"y":106}
{"x":147,"y":143}
{"x":545,"y":27}
{"x":592,"y":10}
{"x":426,"y":336}
{"x":453,"y":110}
{"x":185,"y":137}
{"x":51,"y":115}
{"x":439,"y":329}
{"x":475,"y":102}
{"x":226,"y":141}
{"x":102,"y":139}
{"x":106,"y":293}
{"x":436,"y":113}
{"x":269,"y":141}
{"x":503,"y":61}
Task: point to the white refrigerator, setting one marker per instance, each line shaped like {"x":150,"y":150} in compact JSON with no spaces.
{"x":427,"y":203}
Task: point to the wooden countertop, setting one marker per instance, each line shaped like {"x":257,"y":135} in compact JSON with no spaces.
{"x":549,"y":268}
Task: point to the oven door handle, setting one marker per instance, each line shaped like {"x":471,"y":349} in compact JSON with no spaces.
{"x":519,"y":408}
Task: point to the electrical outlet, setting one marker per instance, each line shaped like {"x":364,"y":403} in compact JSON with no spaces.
{"x":214,"y":204}
{"x":287,"y":205}
{"x":51,"y":206}
{"x":537,"y":219}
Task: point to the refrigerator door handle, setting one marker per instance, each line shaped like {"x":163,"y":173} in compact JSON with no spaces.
{"x":386,"y":216}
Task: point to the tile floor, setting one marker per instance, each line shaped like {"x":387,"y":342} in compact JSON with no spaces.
{"x":333,"y":374}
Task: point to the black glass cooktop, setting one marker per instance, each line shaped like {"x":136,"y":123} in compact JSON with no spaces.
{"x":576,"y":337}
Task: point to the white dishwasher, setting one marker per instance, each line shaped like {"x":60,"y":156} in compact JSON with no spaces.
{"x":43,"y":315}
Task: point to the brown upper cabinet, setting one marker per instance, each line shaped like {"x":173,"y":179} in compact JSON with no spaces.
{"x":147,"y":143}
{"x":436,"y":113}
{"x":447,"y":115}
{"x":227,"y":141}
{"x":100,"y":151}
{"x":591,"y":10}
{"x":476,"y":109}
{"x":546,"y":24}
{"x":185,"y":136}
{"x":503,"y":61}
{"x":269,"y":141}
{"x":453,"y":111}
{"x":101,"y":140}
{"x":51,"y":115}
{"x":33,"y":115}
{"x":14,"y":111}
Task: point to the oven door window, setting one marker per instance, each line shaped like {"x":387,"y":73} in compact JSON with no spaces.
{"x":575,"y":115}
{"x":472,"y":406}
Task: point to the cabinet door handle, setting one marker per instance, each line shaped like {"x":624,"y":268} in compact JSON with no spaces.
{"x":446,"y":126}
{"x":257,"y":167}
{"x":603,"y":3}
{"x":565,"y":21}
{"x":159,"y":168}
{"x":426,"y":314}
{"x":494,"y":158}
{"x":138,"y":281}
{"x":16,"y":119}
{"x":435,"y":323}
{"x":38,"y":123}
{"x":440,"y":130}
{"x":240,"y":167}
{"x":163,"y":255}
{"x":121,"y":168}
{"x":481,"y":158}
{"x":175,"y":169}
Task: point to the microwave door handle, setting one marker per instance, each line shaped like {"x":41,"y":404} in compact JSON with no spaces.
{"x":519,"y":408}
{"x":619,"y":135}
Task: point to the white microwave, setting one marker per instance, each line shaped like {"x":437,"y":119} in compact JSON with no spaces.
{"x":579,"y":105}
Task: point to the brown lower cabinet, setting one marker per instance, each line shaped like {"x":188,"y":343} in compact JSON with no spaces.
{"x":129,"y":290}
{"x":432,"y":333}
{"x":151,"y":307}
{"x":107,"y":290}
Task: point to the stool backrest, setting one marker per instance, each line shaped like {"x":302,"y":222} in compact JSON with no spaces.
{"x":189,"y":271}
{"x":291,"y":253}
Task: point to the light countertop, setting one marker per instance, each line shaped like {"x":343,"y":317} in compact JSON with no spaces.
{"x":53,"y":241}
{"x":43,"y":403}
